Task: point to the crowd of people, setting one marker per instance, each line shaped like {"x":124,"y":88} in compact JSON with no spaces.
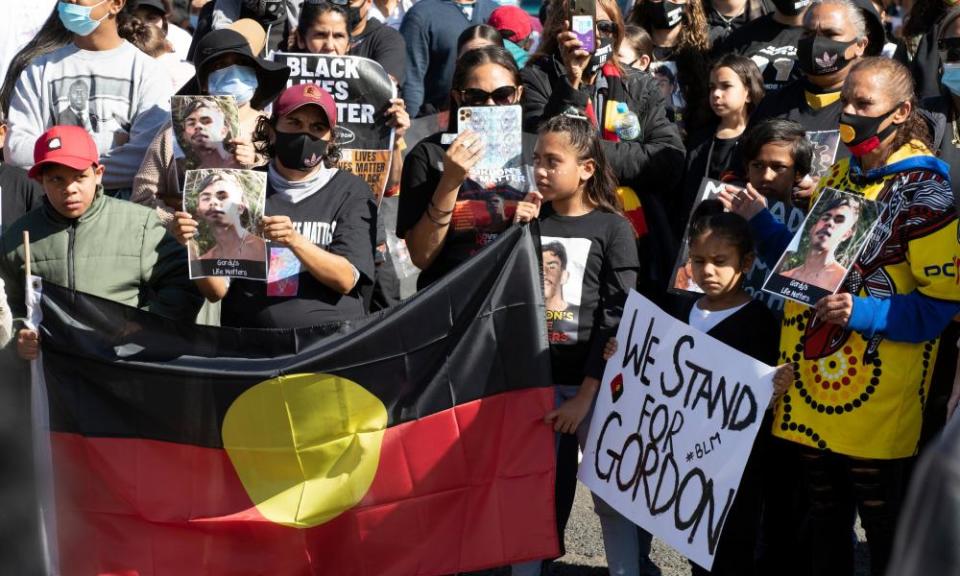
{"x":779,"y":100}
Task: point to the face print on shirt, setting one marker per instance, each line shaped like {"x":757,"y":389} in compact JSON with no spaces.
{"x":564,"y":262}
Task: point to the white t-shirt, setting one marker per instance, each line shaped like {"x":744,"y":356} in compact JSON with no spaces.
{"x":705,"y":320}
{"x":395,"y":18}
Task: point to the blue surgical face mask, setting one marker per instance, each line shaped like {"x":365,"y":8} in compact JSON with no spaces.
{"x":76,"y":18}
{"x":237,"y":81}
{"x":951,"y":78}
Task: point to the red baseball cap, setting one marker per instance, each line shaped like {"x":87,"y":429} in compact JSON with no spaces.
{"x":71,"y":146}
{"x":512,"y":22}
{"x":300,"y":95}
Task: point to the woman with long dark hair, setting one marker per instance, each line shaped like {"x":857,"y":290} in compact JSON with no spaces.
{"x":98,"y":81}
{"x":442,"y":223}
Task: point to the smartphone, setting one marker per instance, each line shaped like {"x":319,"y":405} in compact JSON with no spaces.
{"x":583,"y":16}
{"x":583,"y":27}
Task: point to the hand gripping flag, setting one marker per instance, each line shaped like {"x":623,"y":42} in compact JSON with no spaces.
{"x":408,"y":443}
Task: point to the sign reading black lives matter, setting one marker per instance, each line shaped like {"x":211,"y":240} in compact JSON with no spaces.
{"x":675,"y":420}
{"x":362,"y":91}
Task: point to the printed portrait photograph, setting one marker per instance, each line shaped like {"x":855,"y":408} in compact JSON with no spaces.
{"x":203,"y":127}
{"x":228,"y":206}
{"x":564,"y":265}
{"x":826,"y":247}
{"x":682,"y":281}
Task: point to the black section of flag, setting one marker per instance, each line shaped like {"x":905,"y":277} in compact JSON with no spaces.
{"x":476,"y":333}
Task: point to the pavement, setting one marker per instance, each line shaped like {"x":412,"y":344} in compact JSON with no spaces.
{"x":585,"y":556}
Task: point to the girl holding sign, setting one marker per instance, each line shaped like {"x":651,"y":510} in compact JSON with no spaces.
{"x":721,"y":255}
{"x":590,"y":263}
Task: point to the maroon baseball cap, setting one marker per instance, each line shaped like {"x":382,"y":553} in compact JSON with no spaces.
{"x":300,"y":95}
{"x":71,"y":146}
{"x":512,"y":22}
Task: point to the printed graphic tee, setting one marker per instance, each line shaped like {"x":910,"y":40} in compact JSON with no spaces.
{"x":340,"y":218}
{"x":772,"y":46}
{"x":120,"y":96}
{"x":589,"y":265}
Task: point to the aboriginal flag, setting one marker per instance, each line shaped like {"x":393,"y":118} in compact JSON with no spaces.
{"x":408,"y":443}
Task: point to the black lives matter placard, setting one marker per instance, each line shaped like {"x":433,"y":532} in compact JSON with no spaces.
{"x":362,"y":91}
{"x":675,"y":420}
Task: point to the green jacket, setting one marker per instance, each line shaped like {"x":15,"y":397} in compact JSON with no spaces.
{"x":117,"y":250}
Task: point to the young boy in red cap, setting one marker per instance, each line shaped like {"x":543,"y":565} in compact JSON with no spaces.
{"x":86,"y":241}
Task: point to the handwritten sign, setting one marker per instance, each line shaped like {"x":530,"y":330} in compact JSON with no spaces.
{"x":673,"y":426}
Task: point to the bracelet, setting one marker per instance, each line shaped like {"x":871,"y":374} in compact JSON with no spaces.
{"x":436,"y":221}
{"x":444,"y":212}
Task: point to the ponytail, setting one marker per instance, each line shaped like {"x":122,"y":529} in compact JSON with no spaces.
{"x":601,"y":189}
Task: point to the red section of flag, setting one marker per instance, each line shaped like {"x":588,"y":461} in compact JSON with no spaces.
{"x":462,"y":489}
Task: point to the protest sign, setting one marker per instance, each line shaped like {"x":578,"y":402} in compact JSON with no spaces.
{"x":228,"y":206}
{"x":682,"y":281}
{"x":673,"y":425}
{"x":822,"y":252}
{"x":362,"y":90}
{"x":203,"y":127}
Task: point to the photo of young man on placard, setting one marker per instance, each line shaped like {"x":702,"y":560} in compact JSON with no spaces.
{"x":228,"y":206}
{"x":825,"y":248}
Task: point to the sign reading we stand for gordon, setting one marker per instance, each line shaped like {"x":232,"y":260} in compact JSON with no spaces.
{"x":362,"y":90}
{"x":673,"y":425}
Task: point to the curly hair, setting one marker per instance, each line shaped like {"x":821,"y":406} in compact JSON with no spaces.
{"x":693,"y":28}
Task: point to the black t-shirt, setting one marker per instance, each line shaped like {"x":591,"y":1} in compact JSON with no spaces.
{"x":384,"y":45}
{"x":589,"y":265}
{"x":719,"y":27}
{"x":341,"y":218}
{"x":771,"y":45}
{"x":19,"y":194}
{"x":477,"y":219}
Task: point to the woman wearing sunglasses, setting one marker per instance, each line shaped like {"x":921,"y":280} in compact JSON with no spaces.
{"x":680,"y":35}
{"x":442,"y":224}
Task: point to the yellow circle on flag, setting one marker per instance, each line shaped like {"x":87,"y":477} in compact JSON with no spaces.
{"x":306,"y":447}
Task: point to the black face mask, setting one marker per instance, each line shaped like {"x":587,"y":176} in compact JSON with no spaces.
{"x":299,"y":151}
{"x":600,"y":55}
{"x":353,"y":17}
{"x":790,"y":7}
{"x":862,"y":134}
{"x":663,"y":15}
{"x":818,"y":55}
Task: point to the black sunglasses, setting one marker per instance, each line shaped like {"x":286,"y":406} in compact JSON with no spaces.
{"x":606,"y":27}
{"x":476,"y":97}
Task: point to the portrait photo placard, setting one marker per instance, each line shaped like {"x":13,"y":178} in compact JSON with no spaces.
{"x":682,"y":282}
{"x":228,"y":206}
{"x":825,"y":248}
{"x":203,"y":127}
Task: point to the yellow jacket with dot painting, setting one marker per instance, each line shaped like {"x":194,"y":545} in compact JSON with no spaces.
{"x":860,"y":391}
